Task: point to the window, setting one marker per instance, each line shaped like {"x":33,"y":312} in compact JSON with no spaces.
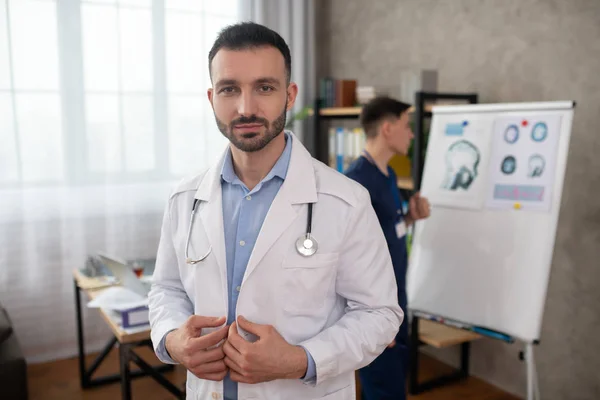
{"x":30,"y":111}
{"x":103,"y":90}
{"x":119,"y":86}
{"x":191,"y":27}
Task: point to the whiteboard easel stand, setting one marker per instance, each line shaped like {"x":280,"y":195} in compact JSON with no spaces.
{"x":415,"y":388}
{"x":454,"y":267}
{"x":533,"y":388}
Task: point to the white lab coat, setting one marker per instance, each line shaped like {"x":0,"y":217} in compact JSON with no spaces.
{"x":341,"y":303}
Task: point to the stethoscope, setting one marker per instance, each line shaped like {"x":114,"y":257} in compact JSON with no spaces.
{"x":306,"y":245}
{"x":188,"y":260}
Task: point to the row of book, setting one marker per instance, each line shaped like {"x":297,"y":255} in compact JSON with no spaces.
{"x":337,"y":92}
{"x":345,"y":146}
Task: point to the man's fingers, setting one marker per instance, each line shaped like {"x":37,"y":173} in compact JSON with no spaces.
{"x":424,"y":206}
{"x":195,"y":323}
{"x":251,"y":327}
{"x":235,"y":340}
{"x":217,"y":377}
{"x":232,"y":365}
{"x":214,"y":354}
{"x":232,"y":352}
{"x":210,"y":368}
{"x":203,"y":357}
{"x":208,"y":340}
{"x":232,"y":329}
{"x":237,"y":377}
{"x":421,"y":206}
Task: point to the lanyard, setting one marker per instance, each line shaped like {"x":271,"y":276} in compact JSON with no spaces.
{"x":393,"y":186}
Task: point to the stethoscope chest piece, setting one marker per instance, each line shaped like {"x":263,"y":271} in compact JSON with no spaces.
{"x":306,"y":245}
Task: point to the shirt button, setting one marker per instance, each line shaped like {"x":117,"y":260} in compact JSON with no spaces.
{"x":242,"y":243}
{"x":248,"y":197}
{"x":238,"y":288}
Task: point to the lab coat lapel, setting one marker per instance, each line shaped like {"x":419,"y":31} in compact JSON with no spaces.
{"x":211,"y":215}
{"x":299,"y":187}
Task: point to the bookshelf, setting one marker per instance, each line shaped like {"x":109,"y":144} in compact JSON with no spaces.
{"x":340,"y":111}
{"x":336,"y":112}
{"x":424,"y":102}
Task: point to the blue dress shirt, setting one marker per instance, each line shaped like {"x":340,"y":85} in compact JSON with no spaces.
{"x":244,"y":211}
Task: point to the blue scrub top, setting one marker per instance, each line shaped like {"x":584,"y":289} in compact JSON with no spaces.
{"x":387,"y":202}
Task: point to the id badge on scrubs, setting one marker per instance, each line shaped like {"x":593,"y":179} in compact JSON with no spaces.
{"x":401,"y":229}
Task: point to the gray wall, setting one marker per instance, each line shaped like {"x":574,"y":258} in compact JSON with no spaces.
{"x":505,"y":50}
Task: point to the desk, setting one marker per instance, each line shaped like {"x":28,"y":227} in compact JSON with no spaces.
{"x":437,"y":335}
{"x":126,"y":341}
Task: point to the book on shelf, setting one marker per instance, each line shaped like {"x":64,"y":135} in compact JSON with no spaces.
{"x":337,"y":92}
{"x":345,"y":146}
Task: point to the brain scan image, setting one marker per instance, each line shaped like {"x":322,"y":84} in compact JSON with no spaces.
{"x":511,"y":134}
{"x":509,"y":164}
{"x":539,"y":132}
{"x":536,"y":166}
{"x":462,"y":160}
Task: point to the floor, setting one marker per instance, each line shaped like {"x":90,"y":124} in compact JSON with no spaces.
{"x":59,"y":380}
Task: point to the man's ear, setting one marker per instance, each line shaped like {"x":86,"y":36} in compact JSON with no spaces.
{"x":209,"y":93}
{"x":292,"y":92}
{"x":385,"y":128}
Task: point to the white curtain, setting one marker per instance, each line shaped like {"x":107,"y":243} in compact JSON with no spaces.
{"x":103,"y":109}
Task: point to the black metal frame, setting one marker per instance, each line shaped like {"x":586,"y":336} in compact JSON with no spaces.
{"x":414,"y":386}
{"x":126,"y":355}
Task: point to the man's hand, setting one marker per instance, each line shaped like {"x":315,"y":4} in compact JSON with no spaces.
{"x":391,"y":345}
{"x":267,"y":359}
{"x":418,"y":208}
{"x":195,"y":352}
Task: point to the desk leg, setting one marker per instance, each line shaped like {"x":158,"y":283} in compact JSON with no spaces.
{"x":125,"y":372}
{"x":83,"y":376}
{"x":414,"y":386}
{"x":151,"y":371}
{"x":464,"y":358}
{"x":413,"y":382}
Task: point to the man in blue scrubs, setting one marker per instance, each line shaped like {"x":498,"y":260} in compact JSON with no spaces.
{"x":387,"y":126}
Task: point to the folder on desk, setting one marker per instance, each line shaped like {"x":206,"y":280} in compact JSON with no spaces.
{"x":133,"y":317}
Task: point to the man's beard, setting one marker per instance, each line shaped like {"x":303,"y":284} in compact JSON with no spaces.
{"x":256,"y":142}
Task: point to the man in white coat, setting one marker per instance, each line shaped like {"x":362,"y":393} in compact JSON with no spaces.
{"x":238,"y":296}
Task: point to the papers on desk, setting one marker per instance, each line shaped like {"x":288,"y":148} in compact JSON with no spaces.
{"x":118,"y":298}
{"x":126,"y":307}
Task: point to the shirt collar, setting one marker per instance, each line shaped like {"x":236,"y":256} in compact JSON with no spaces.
{"x":279,"y":169}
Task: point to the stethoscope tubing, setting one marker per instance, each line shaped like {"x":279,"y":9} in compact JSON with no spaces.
{"x":305,"y":245}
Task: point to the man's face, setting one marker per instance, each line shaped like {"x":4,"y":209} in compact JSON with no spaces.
{"x":250,"y":95}
{"x":400,"y":134}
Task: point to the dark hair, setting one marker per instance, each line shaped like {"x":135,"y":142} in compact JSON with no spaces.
{"x":248,"y":35}
{"x":377,"y":110}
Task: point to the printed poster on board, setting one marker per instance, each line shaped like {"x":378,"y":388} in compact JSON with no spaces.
{"x":457,"y":163}
{"x":523,"y":161}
